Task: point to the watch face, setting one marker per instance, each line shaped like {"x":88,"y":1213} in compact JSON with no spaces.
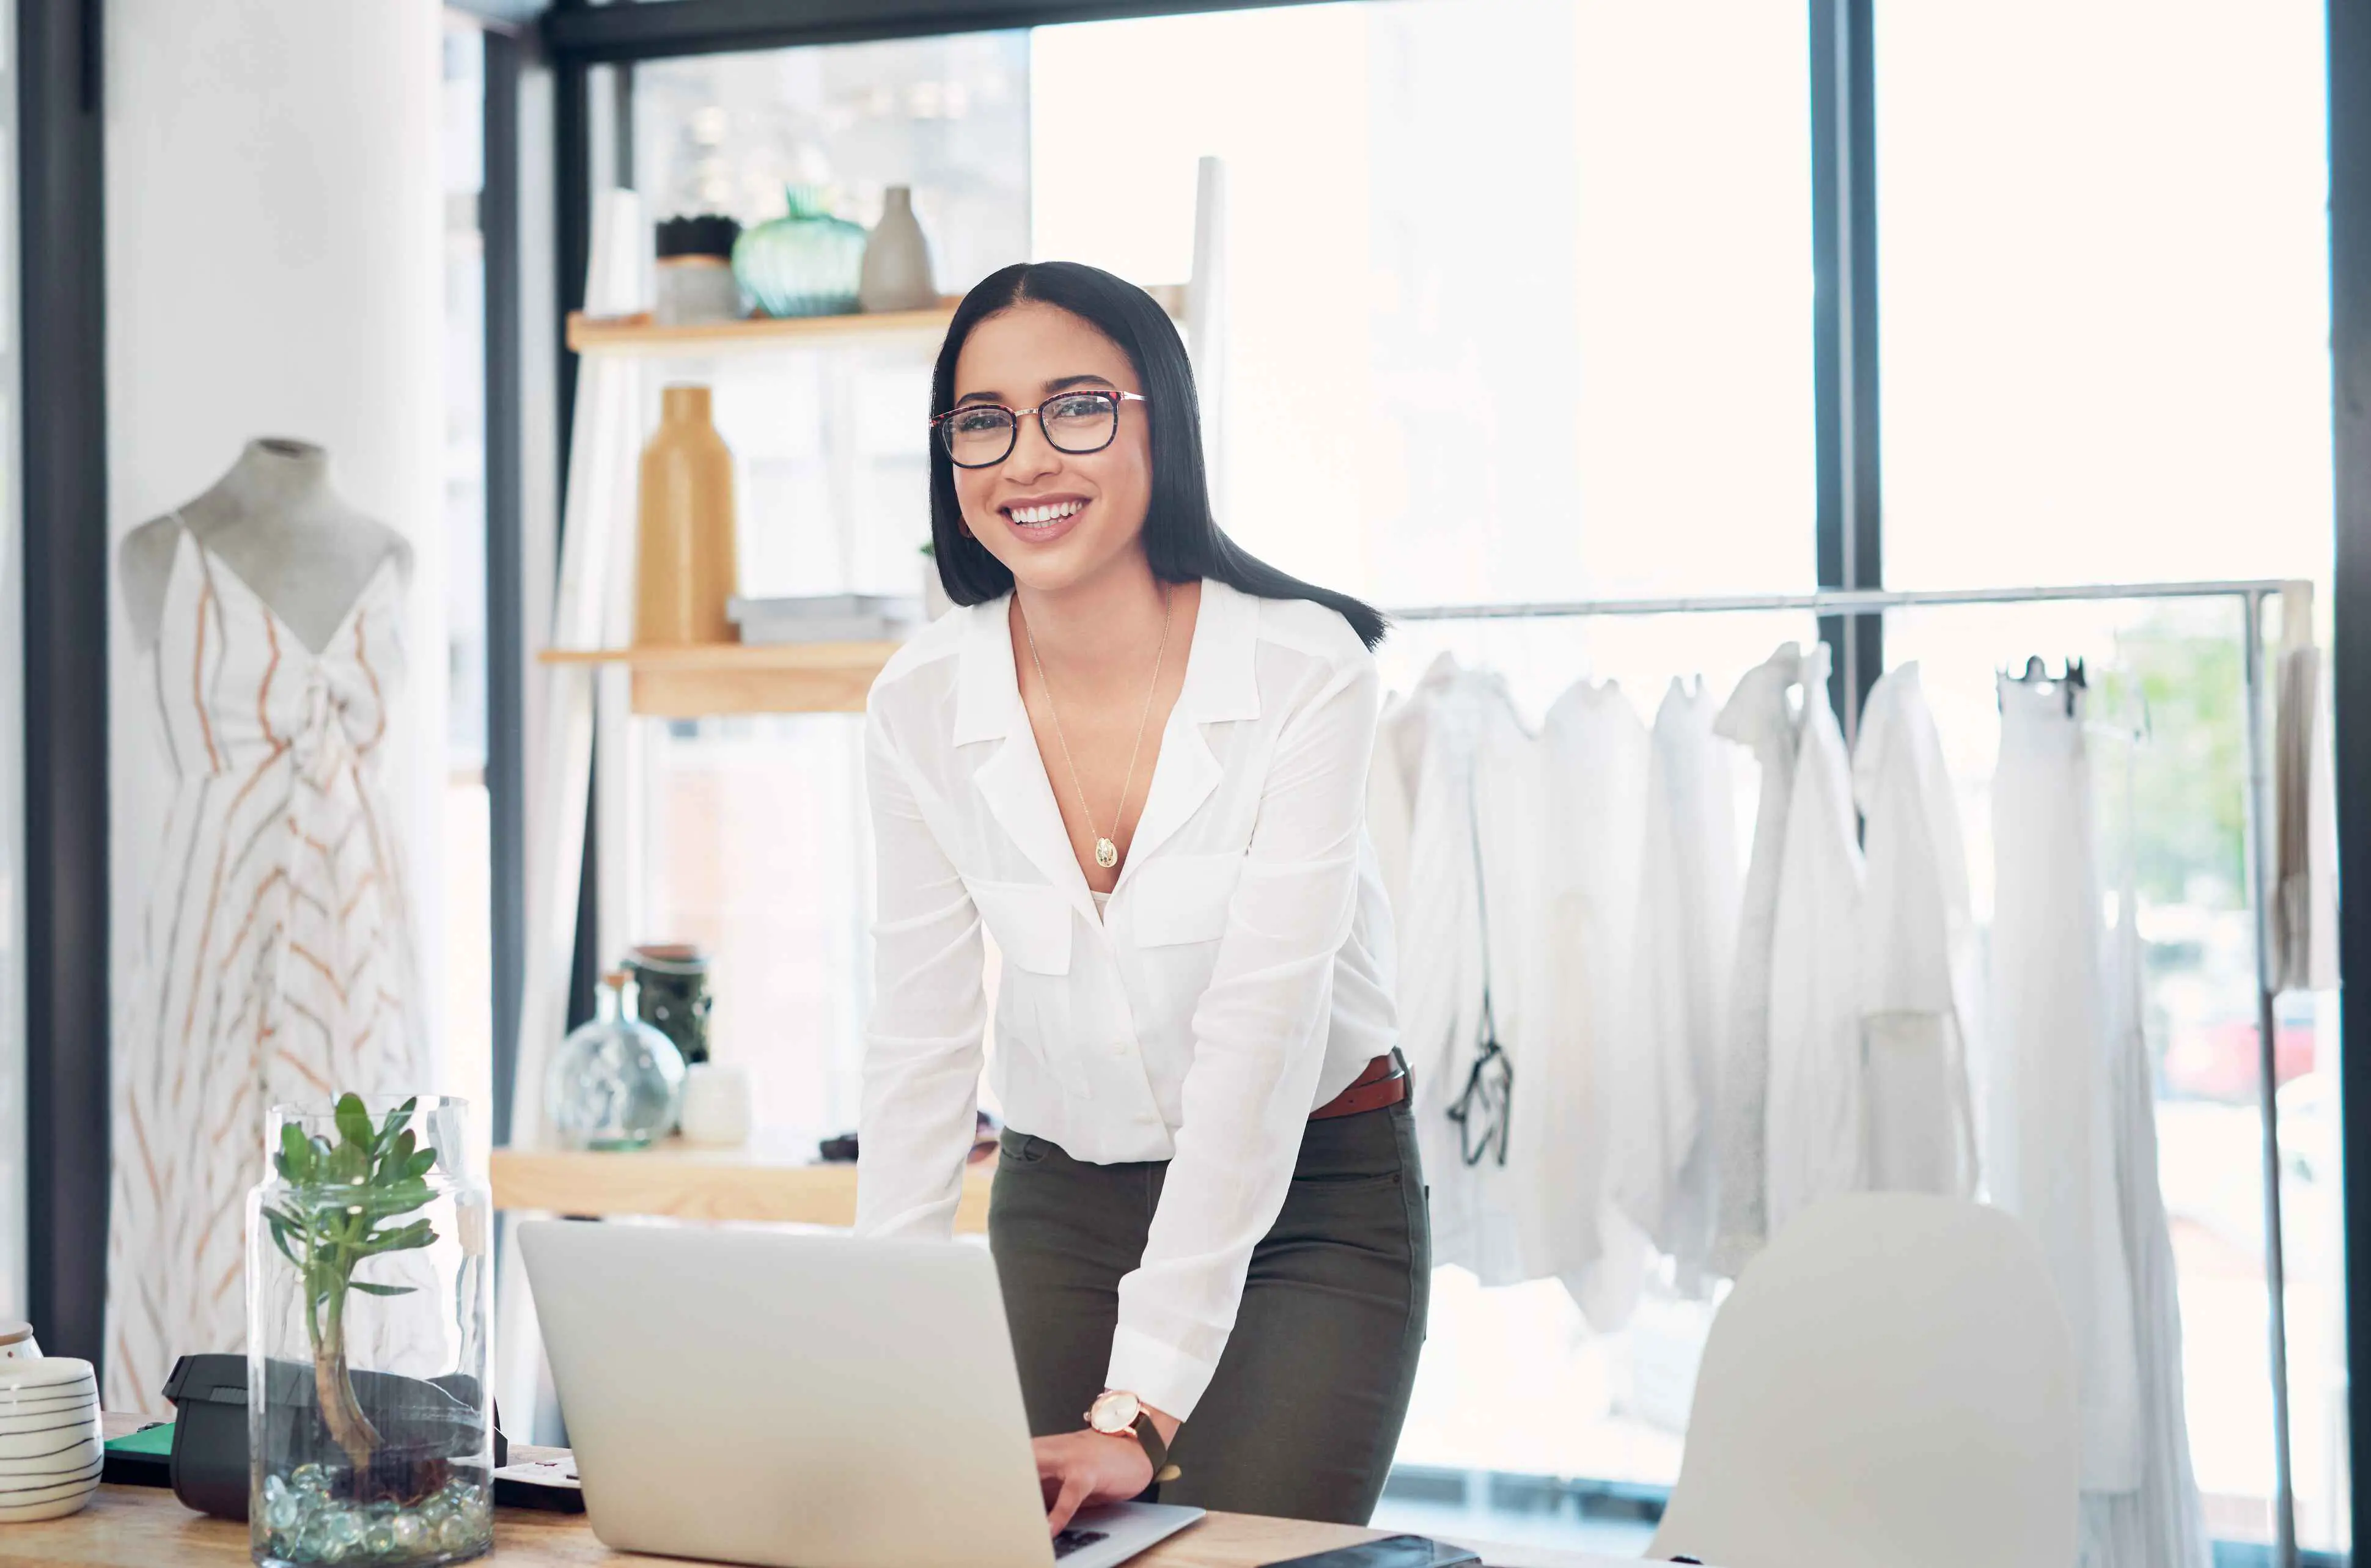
{"x":1113,"y":1410}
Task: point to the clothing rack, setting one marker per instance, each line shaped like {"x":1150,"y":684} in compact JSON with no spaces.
{"x":2257,"y":847}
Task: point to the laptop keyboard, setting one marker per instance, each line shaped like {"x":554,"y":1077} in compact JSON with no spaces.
{"x":1069,"y":1541}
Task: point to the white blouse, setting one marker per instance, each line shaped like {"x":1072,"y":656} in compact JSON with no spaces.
{"x":1240,"y":977}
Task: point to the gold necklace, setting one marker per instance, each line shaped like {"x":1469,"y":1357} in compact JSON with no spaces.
{"x":1106,"y":852}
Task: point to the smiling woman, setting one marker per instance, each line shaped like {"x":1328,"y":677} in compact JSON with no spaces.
{"x":1208,"y":1205}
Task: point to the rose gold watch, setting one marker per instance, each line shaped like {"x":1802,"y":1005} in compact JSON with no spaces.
{"x":1117,"y":1413}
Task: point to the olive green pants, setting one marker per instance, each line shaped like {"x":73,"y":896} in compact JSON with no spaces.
{"x":1305,"y":1408}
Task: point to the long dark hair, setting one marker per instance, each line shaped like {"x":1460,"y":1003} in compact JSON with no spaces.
{"x":1182,"y":541}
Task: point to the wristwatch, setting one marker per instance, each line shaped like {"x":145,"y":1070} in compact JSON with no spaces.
{"x":1116,"y":1412}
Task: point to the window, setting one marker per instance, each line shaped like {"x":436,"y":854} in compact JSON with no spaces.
{"x":1518,"y":306}
{"x":2103,"y":273}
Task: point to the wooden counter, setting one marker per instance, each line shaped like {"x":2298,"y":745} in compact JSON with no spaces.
{"x":139,"y":1526}
{"x":773,"y":1177}
{"x":144,"y":1527}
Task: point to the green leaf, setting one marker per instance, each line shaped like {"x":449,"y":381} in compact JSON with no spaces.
{"x":395,"y":1120}
{"x":279,"y":1223}
{"x":396,"y":1157}
{"x":353,"y":1121}
{"x":348,"y":1163}
{"x":368,"y":1288}
{"x":401,"y":1196}
{"x":295,"y":1157}
{"x":419,"y":1233}
{"x":421,"y":1163}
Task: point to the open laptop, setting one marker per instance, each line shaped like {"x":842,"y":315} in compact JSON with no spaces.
{"x":802,"y":1401}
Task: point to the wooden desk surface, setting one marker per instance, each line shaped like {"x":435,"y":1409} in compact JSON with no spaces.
{"x":773,"y":1177}
{"x":143,"y":1527}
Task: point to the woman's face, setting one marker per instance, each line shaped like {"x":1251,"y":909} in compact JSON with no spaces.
{"x":1079,"y":512}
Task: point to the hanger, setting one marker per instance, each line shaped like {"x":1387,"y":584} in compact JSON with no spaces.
{"x":2074,"y":678}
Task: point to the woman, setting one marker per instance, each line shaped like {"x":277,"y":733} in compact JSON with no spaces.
{"x":1138,"y":759}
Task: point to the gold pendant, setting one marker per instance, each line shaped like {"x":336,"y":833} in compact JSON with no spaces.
{"x":1107,"y":853}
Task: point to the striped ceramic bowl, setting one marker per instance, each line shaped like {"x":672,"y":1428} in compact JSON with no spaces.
{"x":50,"y":1448}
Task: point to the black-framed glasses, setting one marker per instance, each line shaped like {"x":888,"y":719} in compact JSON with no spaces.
{"x":980,"y":436}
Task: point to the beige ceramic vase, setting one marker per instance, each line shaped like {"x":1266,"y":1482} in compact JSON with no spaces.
{"x":685,"y":567}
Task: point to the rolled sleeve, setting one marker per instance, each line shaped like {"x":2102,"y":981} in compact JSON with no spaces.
{"x":1259,"y":1034}
{"x":923,"y":1041}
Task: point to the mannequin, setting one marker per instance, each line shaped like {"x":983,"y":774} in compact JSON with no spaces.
{"x":274,"y":961}
{"x":274,"y":520}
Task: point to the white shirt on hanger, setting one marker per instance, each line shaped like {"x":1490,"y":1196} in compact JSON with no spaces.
{"x":1593,"y":751}
{"x":1240,"y":977}
{"x":1917,"y":945}
{"x":1428,"y":758}
{"x":1790,"y":1122}
{"x":1667,"y":1063}
{"x":2049,"y":1123}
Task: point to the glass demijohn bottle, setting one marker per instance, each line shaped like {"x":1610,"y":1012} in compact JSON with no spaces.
{"x":617,"y":1082}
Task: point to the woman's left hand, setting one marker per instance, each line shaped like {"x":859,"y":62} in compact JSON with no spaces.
{"x":1078,"y":1470}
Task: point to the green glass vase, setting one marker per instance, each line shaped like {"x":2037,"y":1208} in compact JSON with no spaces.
{"x":805,"y":263}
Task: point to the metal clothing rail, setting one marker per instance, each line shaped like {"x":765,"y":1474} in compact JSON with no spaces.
{"x":1851,"y":601}
{"x":2257,"y":849}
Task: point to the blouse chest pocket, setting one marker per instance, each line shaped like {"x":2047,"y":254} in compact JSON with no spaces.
{"x":1184,"y":898}
{"x":1030,"y":921}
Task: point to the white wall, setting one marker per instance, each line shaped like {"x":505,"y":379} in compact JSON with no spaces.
{"x":274,"y":260}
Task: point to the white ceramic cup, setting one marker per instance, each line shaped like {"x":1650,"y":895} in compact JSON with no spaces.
{"x":716,"y":1104}
{"x":51,"y":1450}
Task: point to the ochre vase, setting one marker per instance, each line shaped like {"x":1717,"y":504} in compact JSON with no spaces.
{"x":685,"y":561}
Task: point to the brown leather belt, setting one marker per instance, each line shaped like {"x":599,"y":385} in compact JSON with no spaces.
{"x":1384,"y":1083}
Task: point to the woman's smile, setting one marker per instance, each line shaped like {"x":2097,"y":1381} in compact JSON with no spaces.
{"x":1042,"y":519}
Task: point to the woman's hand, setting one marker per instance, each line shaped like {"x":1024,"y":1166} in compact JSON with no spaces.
{"x":1079,"y":1469}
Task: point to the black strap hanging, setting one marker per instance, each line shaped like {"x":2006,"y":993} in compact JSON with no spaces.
{"x":1483,"y":1111}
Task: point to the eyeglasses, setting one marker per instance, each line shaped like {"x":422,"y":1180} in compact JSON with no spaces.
{"x":980,"y":436}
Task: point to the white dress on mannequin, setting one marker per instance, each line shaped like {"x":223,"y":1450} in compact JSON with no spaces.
{"x":2049,"y":1123}
{"x":276,"y":959}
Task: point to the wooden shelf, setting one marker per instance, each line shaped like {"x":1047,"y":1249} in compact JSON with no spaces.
{"x":640,"y":337}
{"x":705,"y":679}
{"x":774,"y":1178}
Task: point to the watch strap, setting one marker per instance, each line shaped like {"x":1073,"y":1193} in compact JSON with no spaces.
{"x":1155,"y":1449}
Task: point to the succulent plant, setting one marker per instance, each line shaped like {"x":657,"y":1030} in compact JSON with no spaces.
{"x":344,"y":1199}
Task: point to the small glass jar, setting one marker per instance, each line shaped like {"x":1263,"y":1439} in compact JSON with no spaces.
{"x":616,"y":1083}
{"x":695,"y":271}
{"x":671,"y":995}
{"x":369,"y":1294}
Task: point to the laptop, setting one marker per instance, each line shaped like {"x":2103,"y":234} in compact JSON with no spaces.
{"x":802,"y":1401}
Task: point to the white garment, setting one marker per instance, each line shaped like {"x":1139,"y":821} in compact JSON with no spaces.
{"x":1241,"y":976}
{"x":2305,"y":898}
{"x":1662,"y":1070}
{"x":1430,"y":754}
{"x":2159,"y":1524}
{"x":1791,"y":1119}
{"x":2049,"y":1126}
{"x":1594,"y":752}
{"x":1917,"y":946}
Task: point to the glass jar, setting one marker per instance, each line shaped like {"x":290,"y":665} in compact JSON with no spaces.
{"x":616,"y":1083}
{"x":805,"y":263}
{"x":369,"y":1289}
{"x":671,"y":995}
